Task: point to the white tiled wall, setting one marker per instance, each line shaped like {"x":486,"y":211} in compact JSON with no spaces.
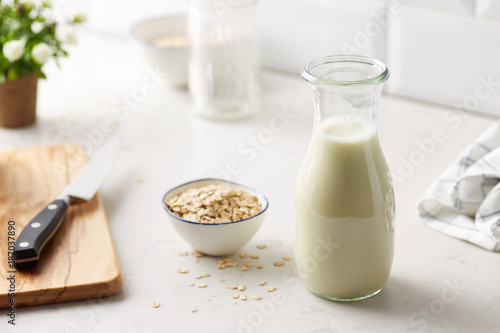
{"x":488,"y":8}
{"x":440,"y":51}
{"x":296,"y":32}
{"x":446,"y":59}
{"x":117,"y":16}
{"x":458,"y":6}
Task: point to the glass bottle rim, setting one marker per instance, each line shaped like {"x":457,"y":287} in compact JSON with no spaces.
{"x":308,"y":70}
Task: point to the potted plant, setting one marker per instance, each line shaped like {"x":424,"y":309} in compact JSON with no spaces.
{"x":29,"y":37}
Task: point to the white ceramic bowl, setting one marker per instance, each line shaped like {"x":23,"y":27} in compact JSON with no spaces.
{"x":172,"y":60}
{"x":216,"y":239}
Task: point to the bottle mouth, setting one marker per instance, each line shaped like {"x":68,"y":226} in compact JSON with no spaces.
{"x":345,"y":70}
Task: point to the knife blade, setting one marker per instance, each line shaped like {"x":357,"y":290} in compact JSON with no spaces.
{"x":42,"y":228}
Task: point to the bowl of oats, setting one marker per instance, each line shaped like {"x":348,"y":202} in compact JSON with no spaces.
{"x":164,"y":44}
{"x":217,"y":217}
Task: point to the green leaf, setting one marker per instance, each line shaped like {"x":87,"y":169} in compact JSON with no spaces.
{"x":15,"y":23}
{"x":12,"y":74}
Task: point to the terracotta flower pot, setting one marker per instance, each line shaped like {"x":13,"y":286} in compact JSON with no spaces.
{"x":18,"y":101}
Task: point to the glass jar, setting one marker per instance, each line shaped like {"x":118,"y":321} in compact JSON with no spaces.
{"x":344,"y":199}
{"x":224,"y":58}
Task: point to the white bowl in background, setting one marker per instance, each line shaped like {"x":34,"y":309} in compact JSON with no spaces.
{"x":170,"y":59}
{"x":216,"y":239}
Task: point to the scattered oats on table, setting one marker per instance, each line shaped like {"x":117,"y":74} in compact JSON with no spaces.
{"x":262,"y":283}
{"x":202,"y":285}
{"x":218,"y":203}
{"x":254,"y":256}
{"x":202,"y":275}
{"x":182,"y":270}
{"x":183,"y":253}
{"x":227,"y":262}
{"x":286,"y":257}
{"x":194,"y":310}
{"x":155,"y":305}
{"x":235,"y":296}
{"x":260,"y":267}
{"x":279,"y":263}
{"x":243,"y":297}
{"x":241,"y":287}
{"x":198,"y":254}
{"x":271,"y":289}
{"x":261,"y":246}
{"x":256,"y":297}
{"x":243,"y":255}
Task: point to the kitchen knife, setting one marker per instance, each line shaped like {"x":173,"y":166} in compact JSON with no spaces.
{"x":40,"y":230}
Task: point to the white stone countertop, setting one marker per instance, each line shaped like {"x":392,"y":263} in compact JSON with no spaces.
{"x":437,"y":284}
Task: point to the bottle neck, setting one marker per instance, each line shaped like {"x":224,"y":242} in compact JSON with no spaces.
{"x":356,"y":102}
{"x":346,"y":86}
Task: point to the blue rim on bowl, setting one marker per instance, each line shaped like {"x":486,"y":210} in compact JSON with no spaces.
{"x":266,"y":202}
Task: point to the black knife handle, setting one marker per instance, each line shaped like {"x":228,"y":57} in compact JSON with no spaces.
{"x":37,"y":234}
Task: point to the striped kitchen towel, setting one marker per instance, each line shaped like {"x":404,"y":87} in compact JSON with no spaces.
{"x":464,"y":202}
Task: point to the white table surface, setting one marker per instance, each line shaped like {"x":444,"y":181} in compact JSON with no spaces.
{"x":166,"y":145}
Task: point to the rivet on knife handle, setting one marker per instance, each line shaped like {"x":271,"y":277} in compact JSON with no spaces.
{"x":37,"y":233}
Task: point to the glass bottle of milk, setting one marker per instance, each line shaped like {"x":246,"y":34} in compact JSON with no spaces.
{"x":344,"y":199}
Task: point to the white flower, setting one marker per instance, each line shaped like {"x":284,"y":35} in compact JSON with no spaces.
{"x":66,"y":34}
{"x":78,"y":17}
{"x":13,"y":50}
{"x":36,"y":27}
{"x":41,"y":53}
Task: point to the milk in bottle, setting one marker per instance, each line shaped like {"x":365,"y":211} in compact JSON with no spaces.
{"x":344,"y":200}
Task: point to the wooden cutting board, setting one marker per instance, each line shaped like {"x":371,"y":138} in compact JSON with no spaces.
{"x":81,"y":261}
